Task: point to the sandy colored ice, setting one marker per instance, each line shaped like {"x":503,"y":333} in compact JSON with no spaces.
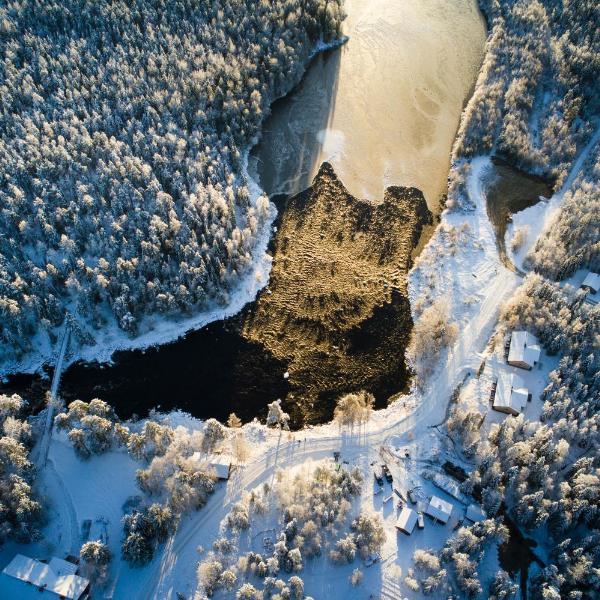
{"x":384,"y":108}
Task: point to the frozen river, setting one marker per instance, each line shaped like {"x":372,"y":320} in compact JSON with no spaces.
{"x":384,"y":108}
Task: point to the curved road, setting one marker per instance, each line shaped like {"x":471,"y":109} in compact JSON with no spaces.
{"x":462,"y":360}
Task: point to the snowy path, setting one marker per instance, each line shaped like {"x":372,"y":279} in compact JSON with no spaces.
{"x":462,"y":359}
{"x":578,"y":164}
{"x":69,"y":528}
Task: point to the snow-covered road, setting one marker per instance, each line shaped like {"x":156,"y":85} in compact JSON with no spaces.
{"x":68,"y":516}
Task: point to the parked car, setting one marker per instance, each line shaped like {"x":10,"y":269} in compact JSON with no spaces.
{"x":387,"y":474}
{"x":420,"y":520}
{"x":372,"y":559}
{"x":412,"y":496}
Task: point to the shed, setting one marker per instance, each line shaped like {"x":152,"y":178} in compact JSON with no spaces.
{"x":448,"y":485}
{"x":407,"y":519}
{"x":524,"y":350}
{"x":26,"y":578}
{"x":591,"y":282}
{"x":511,"y":396}
{"x":439,"y":509}
{"x":475,"y":513}
{"x":221,"y":464}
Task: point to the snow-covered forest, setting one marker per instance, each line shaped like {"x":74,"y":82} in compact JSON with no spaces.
{"x":538,"y":90}
{"x":545,"y":473}
{"x":124,"y":133}
{"x":123,"y":130}
{"x":536,"y":105}
{"x":20,"y":511}
{"x":572,"y":241}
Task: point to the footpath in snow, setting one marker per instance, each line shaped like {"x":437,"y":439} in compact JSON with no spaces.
{"x":539,"y":217}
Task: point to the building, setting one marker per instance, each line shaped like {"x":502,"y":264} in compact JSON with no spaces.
{"x":524,"y":350}
{"x":475,"y":513}
{"x":407,"y":519}
{"x":511,"y":396}
{"x":591,"y":282}
{"x":221,"y":464}
{"x":27,"y":578}
{"x":451,"y":487}
{"x":439,"y":509}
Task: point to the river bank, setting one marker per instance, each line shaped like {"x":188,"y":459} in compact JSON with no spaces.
{"x":384,"y":109}
{"x":406,"y":139}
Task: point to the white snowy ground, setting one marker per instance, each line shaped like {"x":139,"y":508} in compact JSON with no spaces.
{"x":77,"y":490}
{"x":539,"y":217}
{"x":459,"y":263}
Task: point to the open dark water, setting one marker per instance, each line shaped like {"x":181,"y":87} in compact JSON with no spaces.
{"x":405,"y":67}
{"x":210,"y":373}
{"x":511,"y":190}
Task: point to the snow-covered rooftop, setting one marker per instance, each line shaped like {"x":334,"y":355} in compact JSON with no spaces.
{"x":511,"y":394}
{"x":592,"y":281}
{"x":56,"y":578}
{"x":524,"y":349}
{"x":448,"y":485}
{"x":221,"y":466}
{"x":439,"y":509}
{"x":407,"y":520}
{"x":219,"y":463}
